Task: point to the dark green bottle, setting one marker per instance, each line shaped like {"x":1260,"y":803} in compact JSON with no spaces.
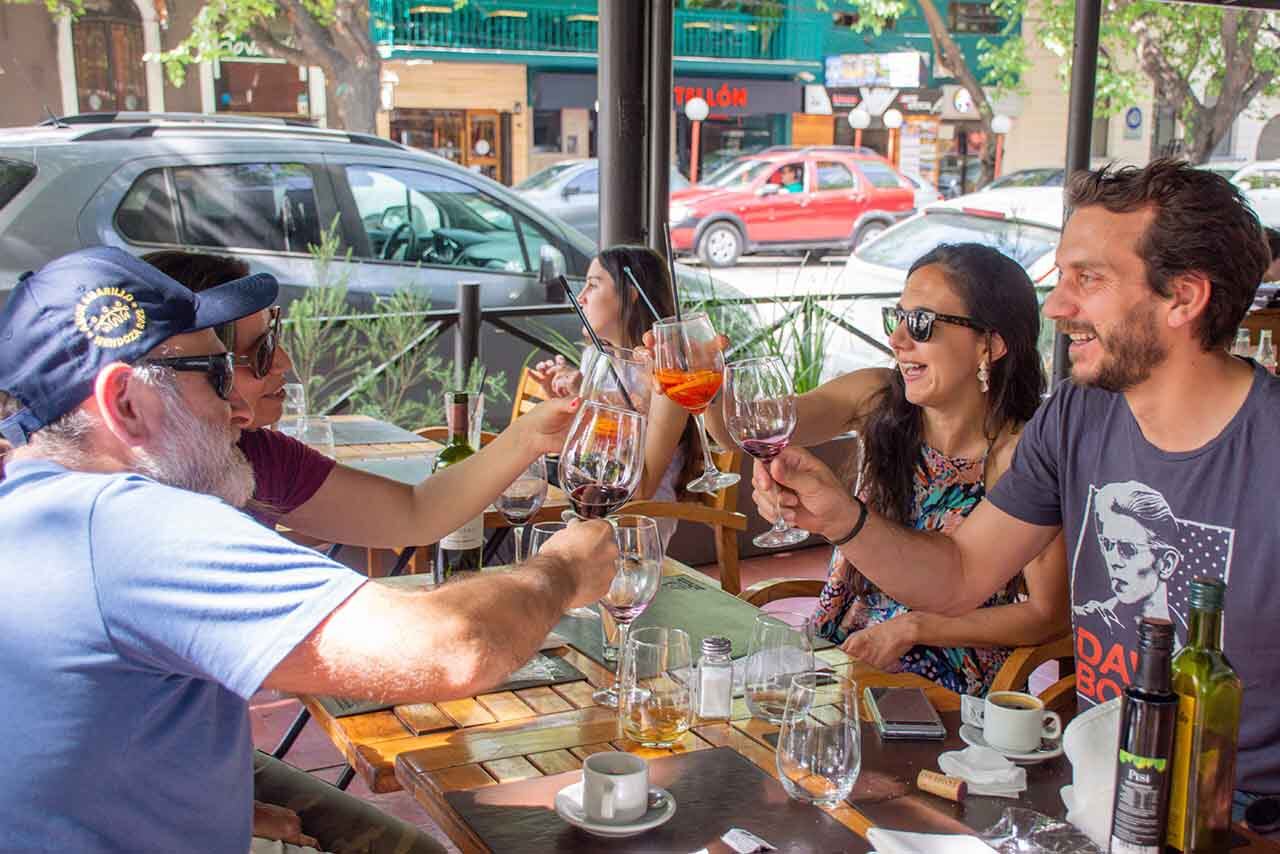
{"x":462,"y":550}
{"x":1209,"y":697}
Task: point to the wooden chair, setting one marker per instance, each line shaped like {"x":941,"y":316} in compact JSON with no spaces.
{"x":1014,"y":673}
{"x":528,"y":395}
{"x":1263,"y":318}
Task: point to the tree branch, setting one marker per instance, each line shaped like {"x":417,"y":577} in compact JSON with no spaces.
{"x":274,"y":48}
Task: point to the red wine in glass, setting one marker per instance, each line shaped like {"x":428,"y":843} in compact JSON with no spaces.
{"x":594,"y":501}
{"x":767,"y":447}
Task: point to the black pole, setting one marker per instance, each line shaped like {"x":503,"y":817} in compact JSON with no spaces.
{"x":1084,"y":80}
{"x":466,"y":343}
{"x":661,"y":15}
{"x":622,"y":122}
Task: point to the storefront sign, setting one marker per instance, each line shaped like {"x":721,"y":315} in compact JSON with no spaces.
{"x":899,"y":70}
{"x":816,"y":100}
{"x":738,"y":97}
{"x":876,"y":101}
{"x":725,"y":96}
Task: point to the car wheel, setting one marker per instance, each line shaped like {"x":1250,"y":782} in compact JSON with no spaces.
{"x":867,"y":232}
{"x":721,"y":245}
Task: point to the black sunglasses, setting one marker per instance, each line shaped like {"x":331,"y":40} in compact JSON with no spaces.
{"x":263,"y":350}
{"x":920,"y":321}
{"x":220,"y":368}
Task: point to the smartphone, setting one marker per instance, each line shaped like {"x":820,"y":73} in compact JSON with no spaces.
{"x":903,"y":713}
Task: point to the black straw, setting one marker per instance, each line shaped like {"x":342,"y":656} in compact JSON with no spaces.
{"x":671,"y":265}
{"x":632,"y":276}
{"x":595,"y":339}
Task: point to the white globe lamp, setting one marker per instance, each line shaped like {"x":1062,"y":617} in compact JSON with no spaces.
{"x":696,"y":109}
{"x":859,"y":119}
{"x":892,"y":119}
{"x":1001,"y":124}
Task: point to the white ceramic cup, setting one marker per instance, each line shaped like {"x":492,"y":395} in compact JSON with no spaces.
{"x":615,"y":787}
{"x":1011,"y":720}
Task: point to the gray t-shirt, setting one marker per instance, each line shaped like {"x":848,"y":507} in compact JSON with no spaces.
{"x":1140,"y":523}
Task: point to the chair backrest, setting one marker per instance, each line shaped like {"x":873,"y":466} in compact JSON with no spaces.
{"x":528,"y":395}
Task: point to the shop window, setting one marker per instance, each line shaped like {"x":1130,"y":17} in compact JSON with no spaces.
{"x":107,"y":44}
{"x":262,"y":88}
{"x":265,"y":206}
{"x":974,"y":18}
{"x":879,"y":174}
{"x":834,"y":176}
{"x":546,"y":130}
{"x":439,"y":131}
{"x":1099,"y":136}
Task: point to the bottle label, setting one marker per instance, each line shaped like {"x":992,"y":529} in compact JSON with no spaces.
{"x":1140,"y":820}
{"x":1180,"y":786}
{"x":469,"y":536}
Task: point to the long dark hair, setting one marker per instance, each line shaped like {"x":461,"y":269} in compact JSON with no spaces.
{"x":998,"y":294}
{"x":649,"y":272}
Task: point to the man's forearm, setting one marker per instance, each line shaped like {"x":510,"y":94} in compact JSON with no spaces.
{"x":1016,"y":624}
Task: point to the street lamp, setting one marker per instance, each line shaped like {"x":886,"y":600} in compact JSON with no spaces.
{"x":859,"y":120}
{"x":1000,"y":125}
{"x":695,"y":110}
{"x":892,"y":119}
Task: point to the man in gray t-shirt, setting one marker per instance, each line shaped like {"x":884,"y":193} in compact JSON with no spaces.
{"x":1160,"y":460}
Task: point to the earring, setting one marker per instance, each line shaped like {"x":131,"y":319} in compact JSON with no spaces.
{"x":984,"y":377}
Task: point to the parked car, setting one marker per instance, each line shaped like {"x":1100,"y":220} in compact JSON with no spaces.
{"x":1025,"y":223}
{"x":1042,"y":177}
{"x":925,"y":193}
{"x":1260,"y":181}
{"x":787,"y":198}
{"x":570,"y":191}
{"x":949,"y":174}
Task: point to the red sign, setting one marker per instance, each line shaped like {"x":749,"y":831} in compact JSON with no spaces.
{"x":725,"y":96}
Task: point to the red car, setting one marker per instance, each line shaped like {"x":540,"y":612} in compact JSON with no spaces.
{"x":788,"y":198}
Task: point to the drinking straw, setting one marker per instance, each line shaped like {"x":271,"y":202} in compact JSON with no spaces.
{"x":671,"y":264}
{"x":595,"y":339}
{"x":640,"y":290}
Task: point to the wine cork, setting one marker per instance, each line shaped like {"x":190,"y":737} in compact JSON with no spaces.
{"x":951,"y":788}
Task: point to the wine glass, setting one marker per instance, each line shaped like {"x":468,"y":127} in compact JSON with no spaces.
{"x":760,"y":412}
{"x":689,"y":368}
{"x":819,"y":755}
{"x":639,"y":572}
{"x":781,"y":646}
{"x":523,"y":498}
{"x":656,"y":706}
{"x":603,"y":459}
{"x":606,"y":374}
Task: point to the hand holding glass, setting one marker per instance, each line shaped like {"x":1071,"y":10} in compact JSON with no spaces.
{"x":760,"y":412}
{"x":639,"y":573}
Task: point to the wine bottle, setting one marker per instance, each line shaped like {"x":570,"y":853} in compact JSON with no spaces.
{"x":1148,"y":713}
{"x":1204,"y":756}
{"x":462,"y":550}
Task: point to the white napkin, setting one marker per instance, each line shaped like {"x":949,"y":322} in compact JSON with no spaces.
{"x":1091,"y":742}
{"x":985,"y":770}
{"x":903,"y":842}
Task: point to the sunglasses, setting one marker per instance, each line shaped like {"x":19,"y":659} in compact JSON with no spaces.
{"x":920,"y":321}
{"x":263,"y":350}
{"x":219,"y":367}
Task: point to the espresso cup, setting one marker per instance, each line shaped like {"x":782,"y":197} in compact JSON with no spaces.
{"x":615,"y":787}
{"x":1011,"y":720}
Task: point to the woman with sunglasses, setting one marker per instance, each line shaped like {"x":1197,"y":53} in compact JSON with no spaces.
{"x":938,"y":431}
{"x":627,"y":289}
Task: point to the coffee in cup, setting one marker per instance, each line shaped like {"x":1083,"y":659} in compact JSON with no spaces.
{"x":1011,"y":720}
{"x":615,"y":787}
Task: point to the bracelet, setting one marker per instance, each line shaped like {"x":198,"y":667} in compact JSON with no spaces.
{"x":857,"y":526}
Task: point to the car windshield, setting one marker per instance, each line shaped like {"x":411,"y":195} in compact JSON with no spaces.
{"x":739,"y":173}
{"x":899,"y":249}
{"x":545,"y":178}
{"x":1029,"y":178}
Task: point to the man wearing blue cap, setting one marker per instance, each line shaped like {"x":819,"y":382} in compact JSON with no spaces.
{"x":144,"y":613}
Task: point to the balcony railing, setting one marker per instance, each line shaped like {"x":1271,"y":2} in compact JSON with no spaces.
{"x":573,"y":27}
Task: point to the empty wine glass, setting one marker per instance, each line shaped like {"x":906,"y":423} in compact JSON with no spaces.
{"x":606,"y":374}
{"x":689,"y":368}
{"x":760,"y":412}
{"x":317,"y":431}
{"x":656,"y":705}
{"x":819,"y":755}
{"x":781,"y":647}
{"x":635,"y":583}
{"x":603,"y":459}
{"x":522,"y":499}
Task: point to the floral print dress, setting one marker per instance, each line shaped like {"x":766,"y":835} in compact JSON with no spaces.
{"x":946,"y":491}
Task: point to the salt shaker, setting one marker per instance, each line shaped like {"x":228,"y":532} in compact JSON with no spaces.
{"x":715,"y":679}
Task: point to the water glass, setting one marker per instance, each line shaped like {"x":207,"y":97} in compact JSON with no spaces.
{"x":293,"y":409}
{"x":538,"y":536}
{"x":317,"y":431}
{"x":635,"y":582}
{"x":820,"y":743}
{"x":781,"y":647}
{"x":656,"y":706}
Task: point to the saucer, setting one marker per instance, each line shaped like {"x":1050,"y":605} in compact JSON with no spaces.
{"x":569,"y":808}
{"x":972,"y":736}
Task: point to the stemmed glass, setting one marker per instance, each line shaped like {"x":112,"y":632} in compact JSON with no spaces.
{"x":601,"y":377}
{"x":760,"y":412}
{"x":522,"y":499}
{"x":819,"y":755}
{"x":603,"y":459}
{"x":689,"y":370}
{"x":639,"y":573}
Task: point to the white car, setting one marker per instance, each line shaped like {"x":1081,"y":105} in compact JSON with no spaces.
{"x":1260,"y":181}
{"x":1023,"y":222}
{"x":926,"y":193}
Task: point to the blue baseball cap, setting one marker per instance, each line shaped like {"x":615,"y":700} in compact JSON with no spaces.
{"x":79,"y":313}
